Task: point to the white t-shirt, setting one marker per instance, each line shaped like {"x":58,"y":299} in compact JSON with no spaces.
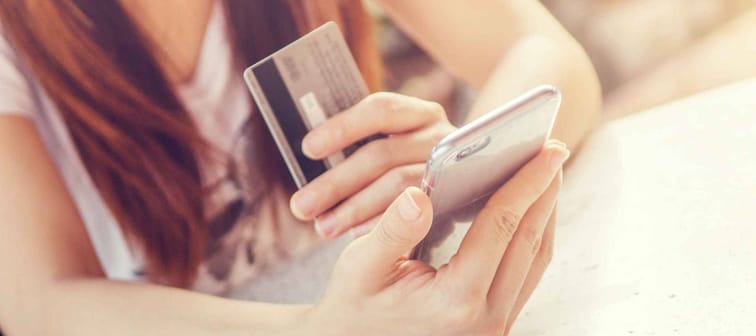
{"x":262,"y":254}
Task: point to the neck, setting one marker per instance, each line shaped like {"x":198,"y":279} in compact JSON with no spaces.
{"x":176,"y":29}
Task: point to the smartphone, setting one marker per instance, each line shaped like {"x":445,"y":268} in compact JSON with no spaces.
{"x":467,"y":166}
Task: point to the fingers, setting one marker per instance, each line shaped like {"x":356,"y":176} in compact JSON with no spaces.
{"x":374,"y":255}
{"x":541,"y":262}
{"x":360,"y":169}
{"x":386,"y":113}
{"x":521,"y":252}
{"x":364,"y":228}
{"x":484,"y":245}
{"x":370,"y":201}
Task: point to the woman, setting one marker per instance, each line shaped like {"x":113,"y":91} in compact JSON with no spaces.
{"x":130,"y":151}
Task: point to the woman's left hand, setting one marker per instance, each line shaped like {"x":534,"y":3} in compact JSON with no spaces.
{"x":354,"y":193}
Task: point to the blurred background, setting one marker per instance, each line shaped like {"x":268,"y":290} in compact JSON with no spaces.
{"x":646,"y":52}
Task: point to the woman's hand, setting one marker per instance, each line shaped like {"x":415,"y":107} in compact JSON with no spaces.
{"x":375,"y":290}
{"x":359,"y":189}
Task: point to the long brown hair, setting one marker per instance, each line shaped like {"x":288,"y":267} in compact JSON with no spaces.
{"x":132,"y":132}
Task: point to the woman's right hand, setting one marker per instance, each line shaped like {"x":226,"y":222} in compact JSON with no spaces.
{"x":375,"y":290}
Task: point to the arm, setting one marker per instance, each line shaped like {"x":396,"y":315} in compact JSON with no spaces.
{"x":503,"y":48}
{"x":723,"y":57}
{"x":51,"y":283}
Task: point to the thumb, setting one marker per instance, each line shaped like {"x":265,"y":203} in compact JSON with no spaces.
{"x":405,"y":222}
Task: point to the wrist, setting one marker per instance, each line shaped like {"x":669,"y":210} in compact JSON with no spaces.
{"x":291,"y":321}
{"x":315,"y":320}
{"x":271,"y":319}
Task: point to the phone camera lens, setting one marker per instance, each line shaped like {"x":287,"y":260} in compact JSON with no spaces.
{"x":474,"y":148}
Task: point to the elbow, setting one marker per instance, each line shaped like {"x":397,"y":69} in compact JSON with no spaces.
{"x":589,"y":83}
{"x":581,"y":94}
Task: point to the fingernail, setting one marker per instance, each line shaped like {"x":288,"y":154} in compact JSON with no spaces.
{"x":408,"y":209}
{"x":325,"y":225}
{"x":312,"y":144}
{"x":559,"y":157}
{"x":557,"y":143}
{"x":304,"y":203}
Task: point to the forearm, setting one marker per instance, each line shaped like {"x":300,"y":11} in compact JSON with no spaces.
{"x":503,"y":48}
{"x":536,"y":60}
{"x":103,"y":307}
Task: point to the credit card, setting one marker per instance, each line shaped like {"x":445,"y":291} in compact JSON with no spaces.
{"x":300,"y":86}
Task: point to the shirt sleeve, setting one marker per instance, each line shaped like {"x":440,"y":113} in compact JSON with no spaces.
{"x":16,"y":97}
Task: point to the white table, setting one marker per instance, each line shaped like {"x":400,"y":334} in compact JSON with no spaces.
{"x":657,"y":232}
